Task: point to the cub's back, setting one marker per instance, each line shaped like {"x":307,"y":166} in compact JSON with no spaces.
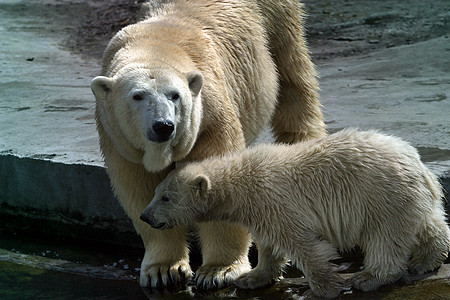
{"x":360,"y":160}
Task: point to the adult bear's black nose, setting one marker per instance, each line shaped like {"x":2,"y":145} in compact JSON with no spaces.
{"x":163,"y":130}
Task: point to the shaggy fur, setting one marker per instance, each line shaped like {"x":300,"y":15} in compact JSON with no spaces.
{"x":309,"y":199}
{"x":236,"y":65}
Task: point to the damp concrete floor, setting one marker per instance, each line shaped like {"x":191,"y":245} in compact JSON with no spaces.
{"x":378,"y":69}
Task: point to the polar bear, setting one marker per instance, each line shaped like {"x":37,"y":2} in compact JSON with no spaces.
{"x":193,"y":79}
{"x":309,"y":199}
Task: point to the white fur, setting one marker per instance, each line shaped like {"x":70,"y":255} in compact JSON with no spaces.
{"x":309,"y":199}
{"x":256,"y":71}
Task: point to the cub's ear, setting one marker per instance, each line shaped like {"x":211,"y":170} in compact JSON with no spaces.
{"x":200,"y":185}
{"x":195,"y":81}
{"x":101,"y":86}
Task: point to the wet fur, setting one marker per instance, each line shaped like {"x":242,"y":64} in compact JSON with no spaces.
{"x":309,"y":199}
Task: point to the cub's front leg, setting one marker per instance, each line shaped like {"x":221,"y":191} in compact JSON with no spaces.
{"x":267,"y":272}
{"x":225,"y":254}
{"x":313,"y":255}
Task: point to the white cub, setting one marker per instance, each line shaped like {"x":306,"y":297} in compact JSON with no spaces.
{"x":307,"y":200}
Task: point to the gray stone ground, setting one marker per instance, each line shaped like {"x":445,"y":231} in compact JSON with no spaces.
{"x":382,"y":65}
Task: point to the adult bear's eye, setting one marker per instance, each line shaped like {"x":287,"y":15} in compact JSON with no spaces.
{"x":175,"y":96}
{"x":138,"y":97}
{"x":165,"y":199}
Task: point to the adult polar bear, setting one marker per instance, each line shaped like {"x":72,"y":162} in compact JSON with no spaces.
{"x":193,"y":79}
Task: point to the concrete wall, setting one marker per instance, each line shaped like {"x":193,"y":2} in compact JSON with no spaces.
{"x":56,"y":198}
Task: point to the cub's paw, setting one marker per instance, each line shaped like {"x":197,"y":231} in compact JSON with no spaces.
{"x":216,"y":277}
{"x":255,"y":279}
{"x":164,"y":275}
{"x":366,"y":282}
{"x":329,"y":286}
{"x":420,"y":266}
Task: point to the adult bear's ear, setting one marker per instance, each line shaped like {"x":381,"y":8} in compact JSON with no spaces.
{"x":101,"y":86}
{"x":200,"y":185}
{"x":195,"y":81}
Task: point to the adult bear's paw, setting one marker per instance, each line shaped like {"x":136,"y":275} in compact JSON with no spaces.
{"x":165,"y":275}
{"x":216,"y":277}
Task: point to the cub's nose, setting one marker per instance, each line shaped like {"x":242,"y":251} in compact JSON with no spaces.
{"x":163,"y":129}
{"x":145,"y":218}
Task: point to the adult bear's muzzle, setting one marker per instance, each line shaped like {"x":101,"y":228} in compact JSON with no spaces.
{"x":161,"y":131}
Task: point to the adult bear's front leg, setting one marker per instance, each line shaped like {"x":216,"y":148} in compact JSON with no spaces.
{"x":166,"y":259}
{"x":225,"y":254}
{"x":224,"y":246}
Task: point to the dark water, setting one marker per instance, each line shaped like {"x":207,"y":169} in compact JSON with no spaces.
{"x":24,"y":282}
{"x":33,"y":267}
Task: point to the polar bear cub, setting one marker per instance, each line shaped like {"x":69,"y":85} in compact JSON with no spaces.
{"x":307,"y":200}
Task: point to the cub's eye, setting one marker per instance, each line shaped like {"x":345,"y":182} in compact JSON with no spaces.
{"x":138,"y":97}
{"x":165,"y":199}
{"x":175,"y":96}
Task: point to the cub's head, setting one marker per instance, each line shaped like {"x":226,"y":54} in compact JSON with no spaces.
{"x":180,"y":199}
{"x":152,"y":116}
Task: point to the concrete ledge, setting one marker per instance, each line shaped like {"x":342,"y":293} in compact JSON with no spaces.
{"x":72,"y":200}
{"x":64,"y":199}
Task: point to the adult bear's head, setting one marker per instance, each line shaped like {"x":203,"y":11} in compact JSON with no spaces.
{"x":152,"y":116}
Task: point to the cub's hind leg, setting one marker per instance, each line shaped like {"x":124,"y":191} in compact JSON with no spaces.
{"x":385,"y":261}
{"x":433,"y":246}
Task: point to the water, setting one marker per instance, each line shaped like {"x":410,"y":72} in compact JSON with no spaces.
{"x":33,"y":267}
{"x":25,"y":282}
